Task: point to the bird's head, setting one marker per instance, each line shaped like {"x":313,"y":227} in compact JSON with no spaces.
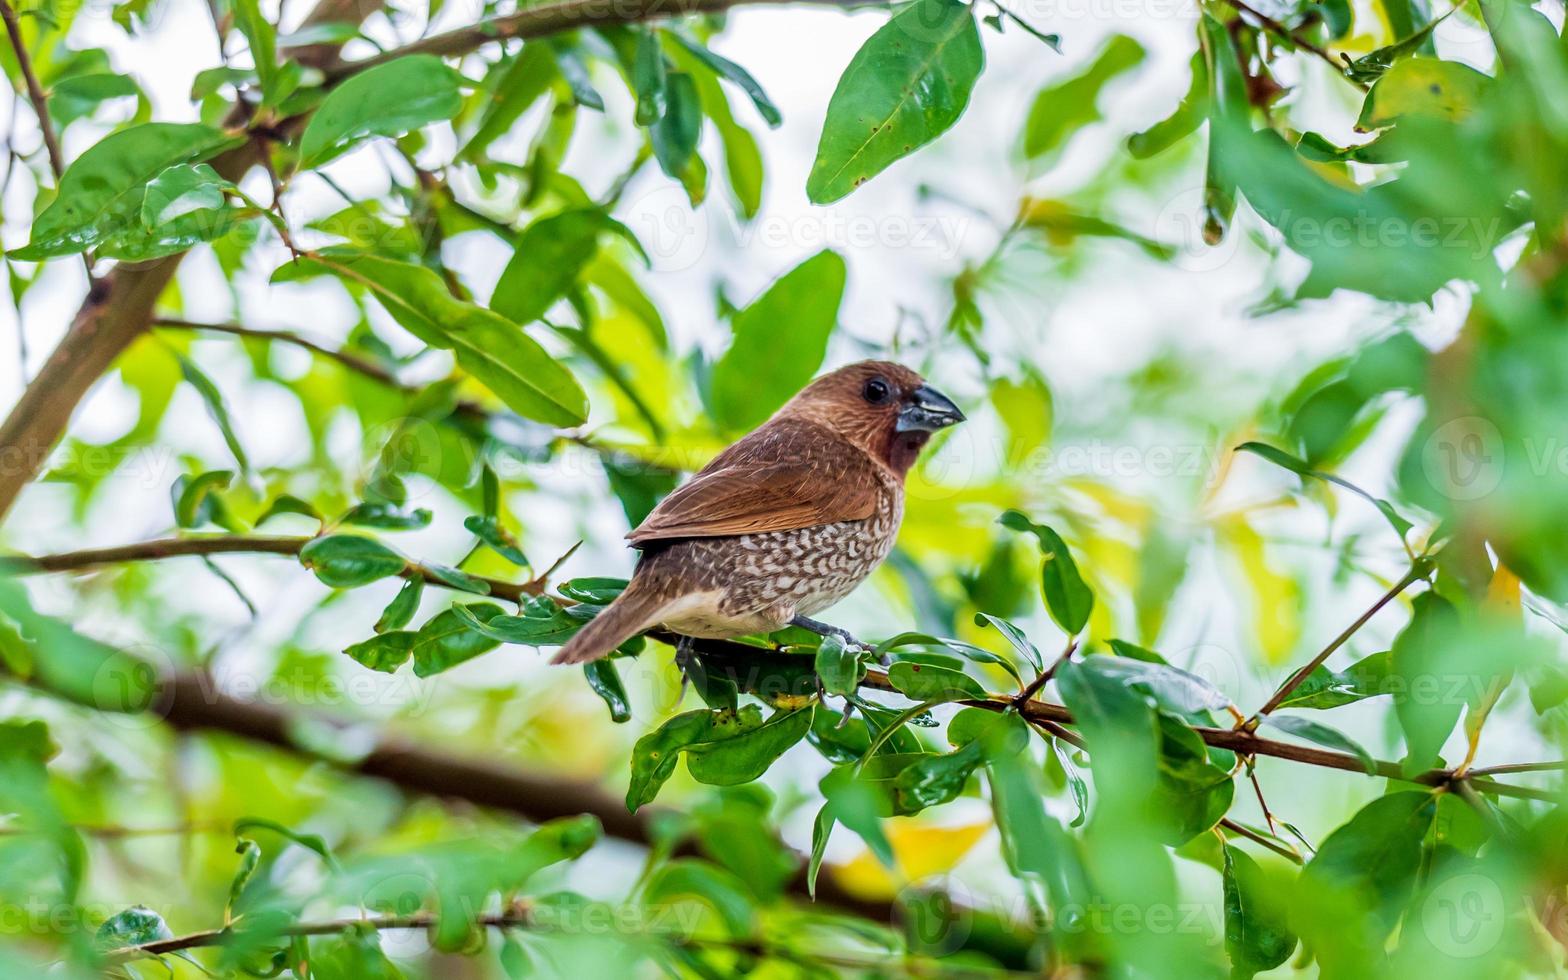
{"x":884,"y":408}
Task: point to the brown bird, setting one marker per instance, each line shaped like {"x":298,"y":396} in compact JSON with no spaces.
{"x":785,"y":522}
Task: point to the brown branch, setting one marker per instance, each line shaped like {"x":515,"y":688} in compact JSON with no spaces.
{"x":1295,"y":40}
{"x":553,"y":18}
{"x":161,"y":548}
{"x":117,"y":310}
{"x":348,"y":359}
{"x":35,"y":91}
{"x":519,"y":915}
{"x":1417,"y":572}
{"x":739,"y":655}
{"x":1241,"y":830}
{"x":192,"y":702}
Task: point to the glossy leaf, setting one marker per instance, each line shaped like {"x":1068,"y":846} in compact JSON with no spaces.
{"x":906,"y":86}
{"x":1067,"y":598}
{"x":388,"y":100}
{"x":347,"y":561}
{"x":102,"y":192}
{"x":490,"y":347}
{"x":807,"y":298}
{"x":605,"y":681}
{"x":1258,"y":936}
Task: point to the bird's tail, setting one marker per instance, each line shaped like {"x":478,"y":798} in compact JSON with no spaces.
{"x":640,"y":606}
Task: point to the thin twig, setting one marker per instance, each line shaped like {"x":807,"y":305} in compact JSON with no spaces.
{"x":35,"y":95}
{"x":1521,"y":767}
{"x":1294,"y":40}
{"x":1416,"y":573}
{"x":161,"y":548}
{"x":35,"y":91}
{"x":1236,"y":740}
{"x":519,"y":915}
{"x":1288,"y":853}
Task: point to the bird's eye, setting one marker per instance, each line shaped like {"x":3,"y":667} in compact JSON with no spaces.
{"x":875,"y":391}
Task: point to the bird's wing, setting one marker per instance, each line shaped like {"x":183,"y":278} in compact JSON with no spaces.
{"x":750,"y":489}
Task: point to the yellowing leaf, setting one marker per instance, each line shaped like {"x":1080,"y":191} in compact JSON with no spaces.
{"x":920,"y":850}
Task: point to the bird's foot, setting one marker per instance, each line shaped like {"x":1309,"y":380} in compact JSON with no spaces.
{"x":823,"y":629}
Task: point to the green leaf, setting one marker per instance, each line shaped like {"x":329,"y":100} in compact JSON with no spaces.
{"x":1172,"y":688}
{"x":250,"y":858}
{"x":134,"y":926}
{"x":807,"y":298}
{"x":213,"y":399}
{"x":746,"y":754}
{"x":732,"y":72}
{"x":649,"y":78}
{"x":448,"y":639}
{"x":347,"y":561}
{"x":1300,"y":467}
{"x":721,"y":890}
{"x":606,"y":682}
{"x":101,"y":193}
{"x":1067,"y":598}
{"x":1424,"y":660}
{"x":196,"y":504}
{"x":182,"y":190}
{"x":1258,"y":936}
{"x":522,"y":81}
{"x":387,"y":651}
{"x":497,"y":538}
{"x":1063,"y":108}
{"x":400,"y":611}
{"x":840,"y":668}
{"x":927,"y":682}
{"x":79,"y":96}
{"x":1015,"y":636}
{"x":1189,"y":115}
{"x":263,"y":40}
{"x":490,"y":347}
{"x":452,"y":578}
{"x":387,"y":100}
{"x":968,"y":651}
{"x":1324,"y":688}
{"x":1445,"y":90}
{"x":935,"y":779}
{"x":906,"y":86}
{"x":575,"y":71}
{"x":288,"y":504}
{"x":1369,"y":865}
{"x":599,"y":590}
{"x":724,"y":748}
{"x":551,"y":253}
{"x":1324,"y":735}
{"x":675,"y":134}
{"x":543,"y":623}
{"x":386,"y":517}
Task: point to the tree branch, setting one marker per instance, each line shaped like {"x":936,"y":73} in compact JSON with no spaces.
{"x":1416,"y":573}
{"x":161,"y":548}
{"x":741,"y":657}
{"x":553,"y":18}
{"x":117,"y":310}
{"x":35,"y":91}
{"x":520,"y":915}
{"x":1295,"y":40}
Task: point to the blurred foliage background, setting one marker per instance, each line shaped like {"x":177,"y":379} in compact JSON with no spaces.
{"x":1225,"y":637}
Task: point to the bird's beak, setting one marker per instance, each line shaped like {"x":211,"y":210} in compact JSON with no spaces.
{"x":926,"y":410}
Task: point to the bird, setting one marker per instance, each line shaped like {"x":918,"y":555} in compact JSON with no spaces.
{"x":785,"y":522}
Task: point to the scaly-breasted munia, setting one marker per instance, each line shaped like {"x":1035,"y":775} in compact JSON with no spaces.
{"x":785,"y":522}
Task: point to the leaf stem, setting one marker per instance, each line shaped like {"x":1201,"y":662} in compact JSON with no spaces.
{"x":1417,"y":572}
